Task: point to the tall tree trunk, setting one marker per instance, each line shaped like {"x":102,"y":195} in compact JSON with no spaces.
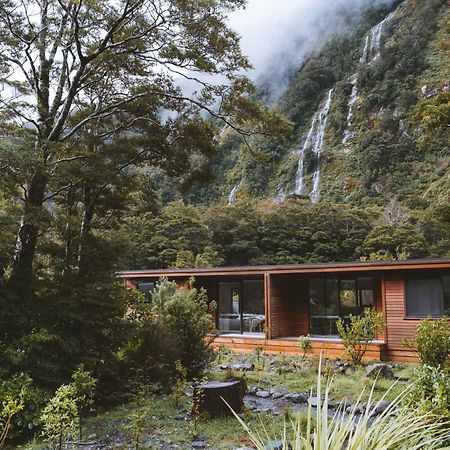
{"x":69,"y":231}
{"x":85,"y":229}
{"x":22,"y":271}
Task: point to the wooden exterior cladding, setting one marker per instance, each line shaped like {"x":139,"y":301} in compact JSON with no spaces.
{"x":286,"y":302}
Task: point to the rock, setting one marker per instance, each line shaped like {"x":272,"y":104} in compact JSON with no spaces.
{"x":380,"y":370}
{"x":243,"y":367}
{"x":356,"y":409}
{"x":209,"y":398}
{"x":199,"y":444}
{"x":276,"y":445}
{"x":263,"y":394}
{"x":188,"y":392}
{"x":296,"y":398}
{"x":179,"y":417}
{"x":277,"y":395}
{"x":314,"y":401}
{"x":381,"y":406}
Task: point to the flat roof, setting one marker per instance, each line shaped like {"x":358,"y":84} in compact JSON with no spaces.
{"x":441,"y":263}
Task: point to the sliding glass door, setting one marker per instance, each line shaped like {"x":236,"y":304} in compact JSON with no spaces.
{"x":334,"y":298}
{"x":241,"y":307}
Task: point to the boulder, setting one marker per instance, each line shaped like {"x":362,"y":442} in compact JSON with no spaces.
{"x":263,"y":394}
{"x":209,"y":398}
{"x":380,"y":370}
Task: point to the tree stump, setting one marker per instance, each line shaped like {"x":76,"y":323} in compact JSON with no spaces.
{"x":208,"y":398}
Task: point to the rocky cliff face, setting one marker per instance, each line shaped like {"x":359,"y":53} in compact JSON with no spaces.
{"x":370,"y":110}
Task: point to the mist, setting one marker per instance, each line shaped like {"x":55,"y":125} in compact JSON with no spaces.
{"x":277,"y":36}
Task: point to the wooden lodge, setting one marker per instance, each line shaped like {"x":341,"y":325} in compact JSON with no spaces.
{"x":272,"y":306}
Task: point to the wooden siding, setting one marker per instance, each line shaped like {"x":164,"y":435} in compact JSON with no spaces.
{"x":289,"y":314}
{"x":328,"y":349}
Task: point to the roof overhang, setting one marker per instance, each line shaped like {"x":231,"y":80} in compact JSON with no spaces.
{"x":418,"y":264}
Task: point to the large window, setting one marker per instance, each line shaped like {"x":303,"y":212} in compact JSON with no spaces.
{"x":428,"y":296}
{"x":241,"y":306}
{"x":331,"y":298}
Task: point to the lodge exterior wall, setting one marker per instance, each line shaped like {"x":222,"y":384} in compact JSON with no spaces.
{"x":286,"y":300}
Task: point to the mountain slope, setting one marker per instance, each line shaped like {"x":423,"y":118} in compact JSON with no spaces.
{"x":361,"y":107}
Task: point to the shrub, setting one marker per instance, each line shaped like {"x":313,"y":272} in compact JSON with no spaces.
{"x":432,"y":342}
{"x":305,"y":344}
{"x":430,"y":393}
{"x":150,"y":354}
{"x":60,"y":416}
{"x":9,"y":407}
{"x":187,"y":314}
{"x":27,"y":420}
{"x":360,"y":332}
{"x":338,"y":430}
{"x":84,"y":385}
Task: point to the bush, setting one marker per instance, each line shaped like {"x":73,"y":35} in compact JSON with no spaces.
{"x":26,"y":421}
{"x":432,"y":342}
{"x":430,"y":393}
{"x":60,"y":417}
{"x":360,"y":332}
{"x":188,"y":315}
{"x":9,"y":407}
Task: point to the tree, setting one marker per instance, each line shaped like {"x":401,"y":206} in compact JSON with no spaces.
{"x":95,"y":72}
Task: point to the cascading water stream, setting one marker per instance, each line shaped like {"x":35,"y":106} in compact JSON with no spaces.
{"x":314,"y":141}
{"x":233,"y":192}
{"x":318,"y":145}
{"x":370,"y":52}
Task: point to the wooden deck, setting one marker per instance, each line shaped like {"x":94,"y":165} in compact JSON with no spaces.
{"x":327,"y":347}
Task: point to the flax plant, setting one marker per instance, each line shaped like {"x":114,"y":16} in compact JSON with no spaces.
{"x":395,"y":428}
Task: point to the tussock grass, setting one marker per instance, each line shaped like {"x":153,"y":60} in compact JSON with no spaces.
{"x":395,"y":428}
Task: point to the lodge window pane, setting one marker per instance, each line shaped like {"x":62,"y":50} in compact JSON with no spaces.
{"x":365,"y":291}
{"x":317,"y":296}
{"x":446,"y":285}
{"x":229,"y":299}
{"x":424,"y":297}
{"x":331,"y":297}
{"x":348,"y":297}
{"x":147,"y":289}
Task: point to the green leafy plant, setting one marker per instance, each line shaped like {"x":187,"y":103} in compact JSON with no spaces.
{"x":26,"y":421}
{"x":180,"y":383}
{"x":139,"y":415}
{"x":340,"y":430}
{"x":84,"y":384}
{"x":432,"y":341}
{"x":430,"y":393}
{"x":60,"y":417}
{"x":360,"y":332}
{"x":305,"y":344}
{"x":187,"y":313}
{"x":9,"y":407}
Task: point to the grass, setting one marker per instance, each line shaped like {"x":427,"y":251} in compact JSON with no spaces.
{"x":168,"y":426}
{"x":395,"y":428}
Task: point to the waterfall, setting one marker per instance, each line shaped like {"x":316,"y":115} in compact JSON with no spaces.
{"x":232,"y":194}
{"x":280,"y":197}
{"x":369,"y":53}
{"x":318,"y":145}
{"x":299,"y":179}
{"x":314,"y":141}
{"x":352,"y":100}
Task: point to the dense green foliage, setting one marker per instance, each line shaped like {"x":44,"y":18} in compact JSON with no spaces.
{"x":432,"y":342}
{"x":174,"y":334}
{"x":296,"y":231}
